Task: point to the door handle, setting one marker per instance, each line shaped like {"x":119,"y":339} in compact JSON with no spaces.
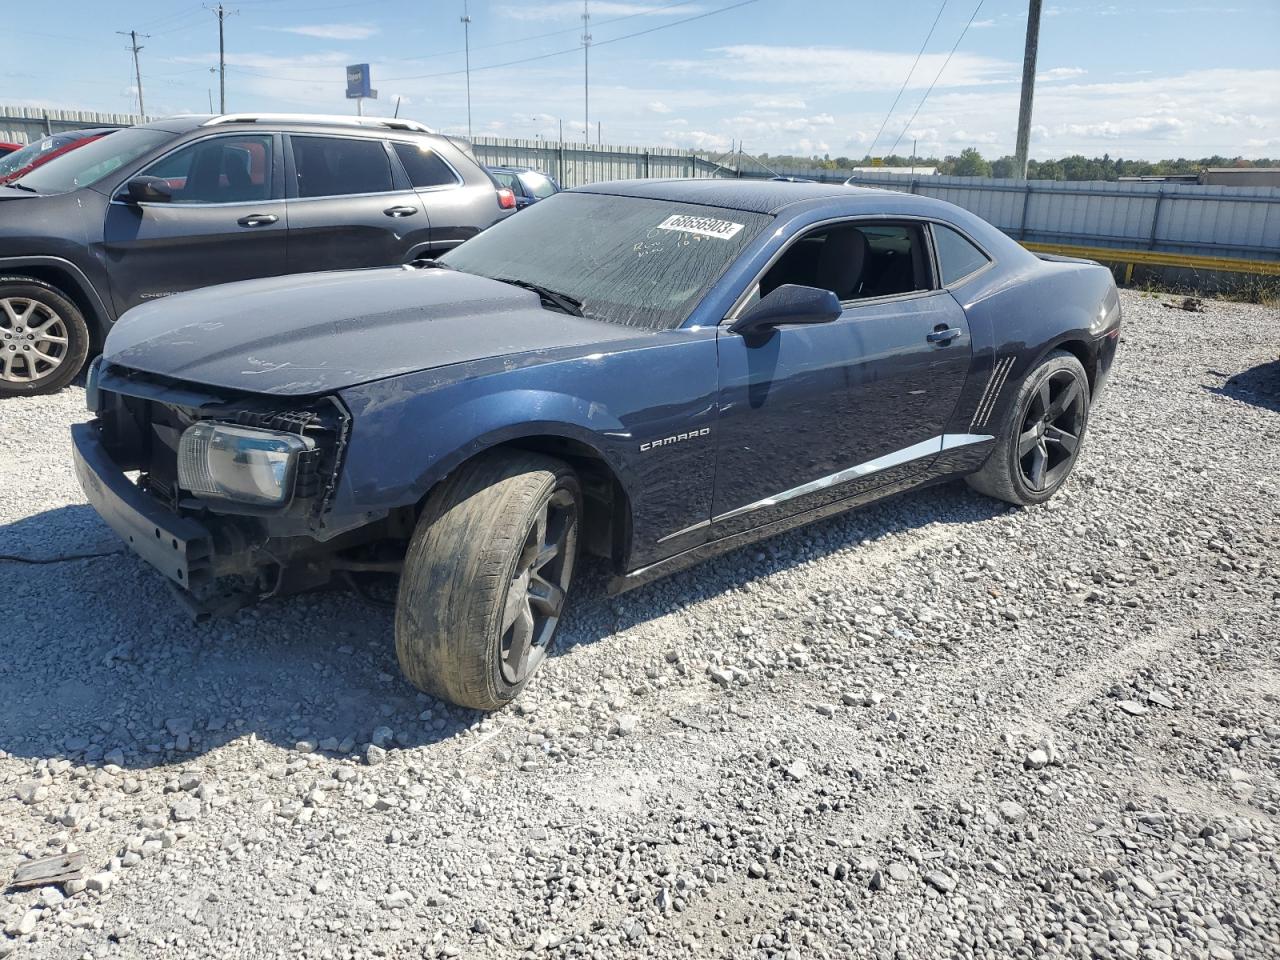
{"x":400,"y":211}
{"x":258,"y":220}
{"x":943,"y":334}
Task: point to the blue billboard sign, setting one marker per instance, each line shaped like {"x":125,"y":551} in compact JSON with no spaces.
{"x":359,"y":82}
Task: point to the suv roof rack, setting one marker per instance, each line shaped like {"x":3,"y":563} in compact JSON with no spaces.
{"x":391,"y":123}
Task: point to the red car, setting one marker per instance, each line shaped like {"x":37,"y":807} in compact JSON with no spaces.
{"x":25,"y":159}
{"x":8,"y":148}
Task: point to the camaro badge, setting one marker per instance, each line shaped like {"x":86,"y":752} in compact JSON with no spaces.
{"x":676,"y":439}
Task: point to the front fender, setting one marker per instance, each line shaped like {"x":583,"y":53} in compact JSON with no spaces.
{"x":409,"y":432}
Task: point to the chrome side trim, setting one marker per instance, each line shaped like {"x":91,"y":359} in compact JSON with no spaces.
{"x":689,"y":529}
{"x":917,"y":451}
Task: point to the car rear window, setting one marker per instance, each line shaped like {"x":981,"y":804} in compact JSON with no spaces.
{"x":424,"y":165}
{"x":957,"y":257}
{"x":630,"y":260}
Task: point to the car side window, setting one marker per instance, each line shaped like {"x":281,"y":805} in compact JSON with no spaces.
{"x":337,"y":166}
{"x":424,"y":166}
{"x":957,"y":257}
{"x":856,"y":261}
{"x":234,"y":169}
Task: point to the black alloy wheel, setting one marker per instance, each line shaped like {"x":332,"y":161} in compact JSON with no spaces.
{"x":536,"y":594}
{"x":1051,"y":430}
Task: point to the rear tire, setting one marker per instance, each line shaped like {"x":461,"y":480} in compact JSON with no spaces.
{"x":43,"y":338}
{"x":1040,"y":437}
{"x":486,"y":576}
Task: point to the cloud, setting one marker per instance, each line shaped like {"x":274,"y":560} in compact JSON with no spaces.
{"x":981,"y":24}
{"x":842,"y":69}
{"x":1152,"y":128}
{"x":330,"y":31}
{"x":1061,"y":73}
{"x":657,"y":106}
{"x":569,"y":9}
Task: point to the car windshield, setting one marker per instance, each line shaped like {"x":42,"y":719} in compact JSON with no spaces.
{"x":90,"y":163}
{"x":629,"y":260}
{"x":33,"y":152}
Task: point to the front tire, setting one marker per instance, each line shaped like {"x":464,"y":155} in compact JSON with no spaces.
{"x":43,"y":338}
{"x":1041,"y":435}
{"x":486,"y":577}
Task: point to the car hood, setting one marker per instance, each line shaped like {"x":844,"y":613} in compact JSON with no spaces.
{"x":320,"y":332}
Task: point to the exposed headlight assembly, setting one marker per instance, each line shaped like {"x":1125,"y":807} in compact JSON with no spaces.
{"x":224,"y":461}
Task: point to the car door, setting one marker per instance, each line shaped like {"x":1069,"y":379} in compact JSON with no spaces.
{"x":813,"y":414}
{"x":226,"y":220}
{"x":349,"y":204}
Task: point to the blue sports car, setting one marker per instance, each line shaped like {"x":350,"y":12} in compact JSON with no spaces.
{"x":653,"y":372}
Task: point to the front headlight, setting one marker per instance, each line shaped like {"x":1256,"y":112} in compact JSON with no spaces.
{"x":229,"y":462}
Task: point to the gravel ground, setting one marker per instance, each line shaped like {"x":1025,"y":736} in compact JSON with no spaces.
{"x":935,"y":728}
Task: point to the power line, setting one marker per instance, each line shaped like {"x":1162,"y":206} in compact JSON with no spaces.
{"x":910,"y":73}
{"x":522,"y":60}
{"x":648,"y":11}
{"x":938,"y":77}
{"x":596,"y":43}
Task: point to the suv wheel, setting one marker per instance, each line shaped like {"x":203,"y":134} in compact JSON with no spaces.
{"x":486,"y":577}
{"x":43,"y":338}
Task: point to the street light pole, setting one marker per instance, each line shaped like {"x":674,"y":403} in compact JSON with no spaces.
{"x":586,"y":85}
{"x":466,"y":34}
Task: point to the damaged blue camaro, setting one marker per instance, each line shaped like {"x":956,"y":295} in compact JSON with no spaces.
{"x":652,"y":372}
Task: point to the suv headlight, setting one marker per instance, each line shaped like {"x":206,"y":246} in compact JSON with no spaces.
{"x":244,"y":464}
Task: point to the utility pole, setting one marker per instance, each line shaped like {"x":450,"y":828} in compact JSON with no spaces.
{"x":137,"y":71}
{"x":1028,"y":91}
{"x":466,"y":34}
{"x":586,"y":86}
{"x":221,"y":13}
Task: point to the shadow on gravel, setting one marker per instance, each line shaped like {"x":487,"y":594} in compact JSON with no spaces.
{"x":1258,"y":385}
{"x":593,"y":615}
{"x":101,"y":665}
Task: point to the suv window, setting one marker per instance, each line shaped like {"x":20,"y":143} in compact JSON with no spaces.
{"x":424,"y":166}
{"x":337,"y":166}
{"x":233,"y":169}
{"x":957,"y":257}
{"x":855,"y":261}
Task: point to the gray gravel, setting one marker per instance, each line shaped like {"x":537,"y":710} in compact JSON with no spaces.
{"x":934,"y":728}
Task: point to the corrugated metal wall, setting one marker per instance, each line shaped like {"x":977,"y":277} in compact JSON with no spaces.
{"x":25,"y":124}
{"x":574,"y":164}
{"x":1241,"y":222}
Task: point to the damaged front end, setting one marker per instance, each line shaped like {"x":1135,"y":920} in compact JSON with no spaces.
{"x":228,"y":495}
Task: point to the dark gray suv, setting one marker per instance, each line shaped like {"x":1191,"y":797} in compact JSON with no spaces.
{"x":189,"y":202}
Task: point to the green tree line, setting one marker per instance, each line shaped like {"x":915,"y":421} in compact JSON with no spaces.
{"x":970,"y":163}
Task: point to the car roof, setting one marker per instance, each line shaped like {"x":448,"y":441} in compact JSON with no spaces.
{"x":755,"y":196}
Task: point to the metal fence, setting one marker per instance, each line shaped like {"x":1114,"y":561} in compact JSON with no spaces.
{"x":574,"y":164}
{"x":25,"y":124}
{"x":1236,"y":222}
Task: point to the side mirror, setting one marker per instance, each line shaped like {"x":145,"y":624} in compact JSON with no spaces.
{"x":789,"y":304}
{"x":149,"y":190}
